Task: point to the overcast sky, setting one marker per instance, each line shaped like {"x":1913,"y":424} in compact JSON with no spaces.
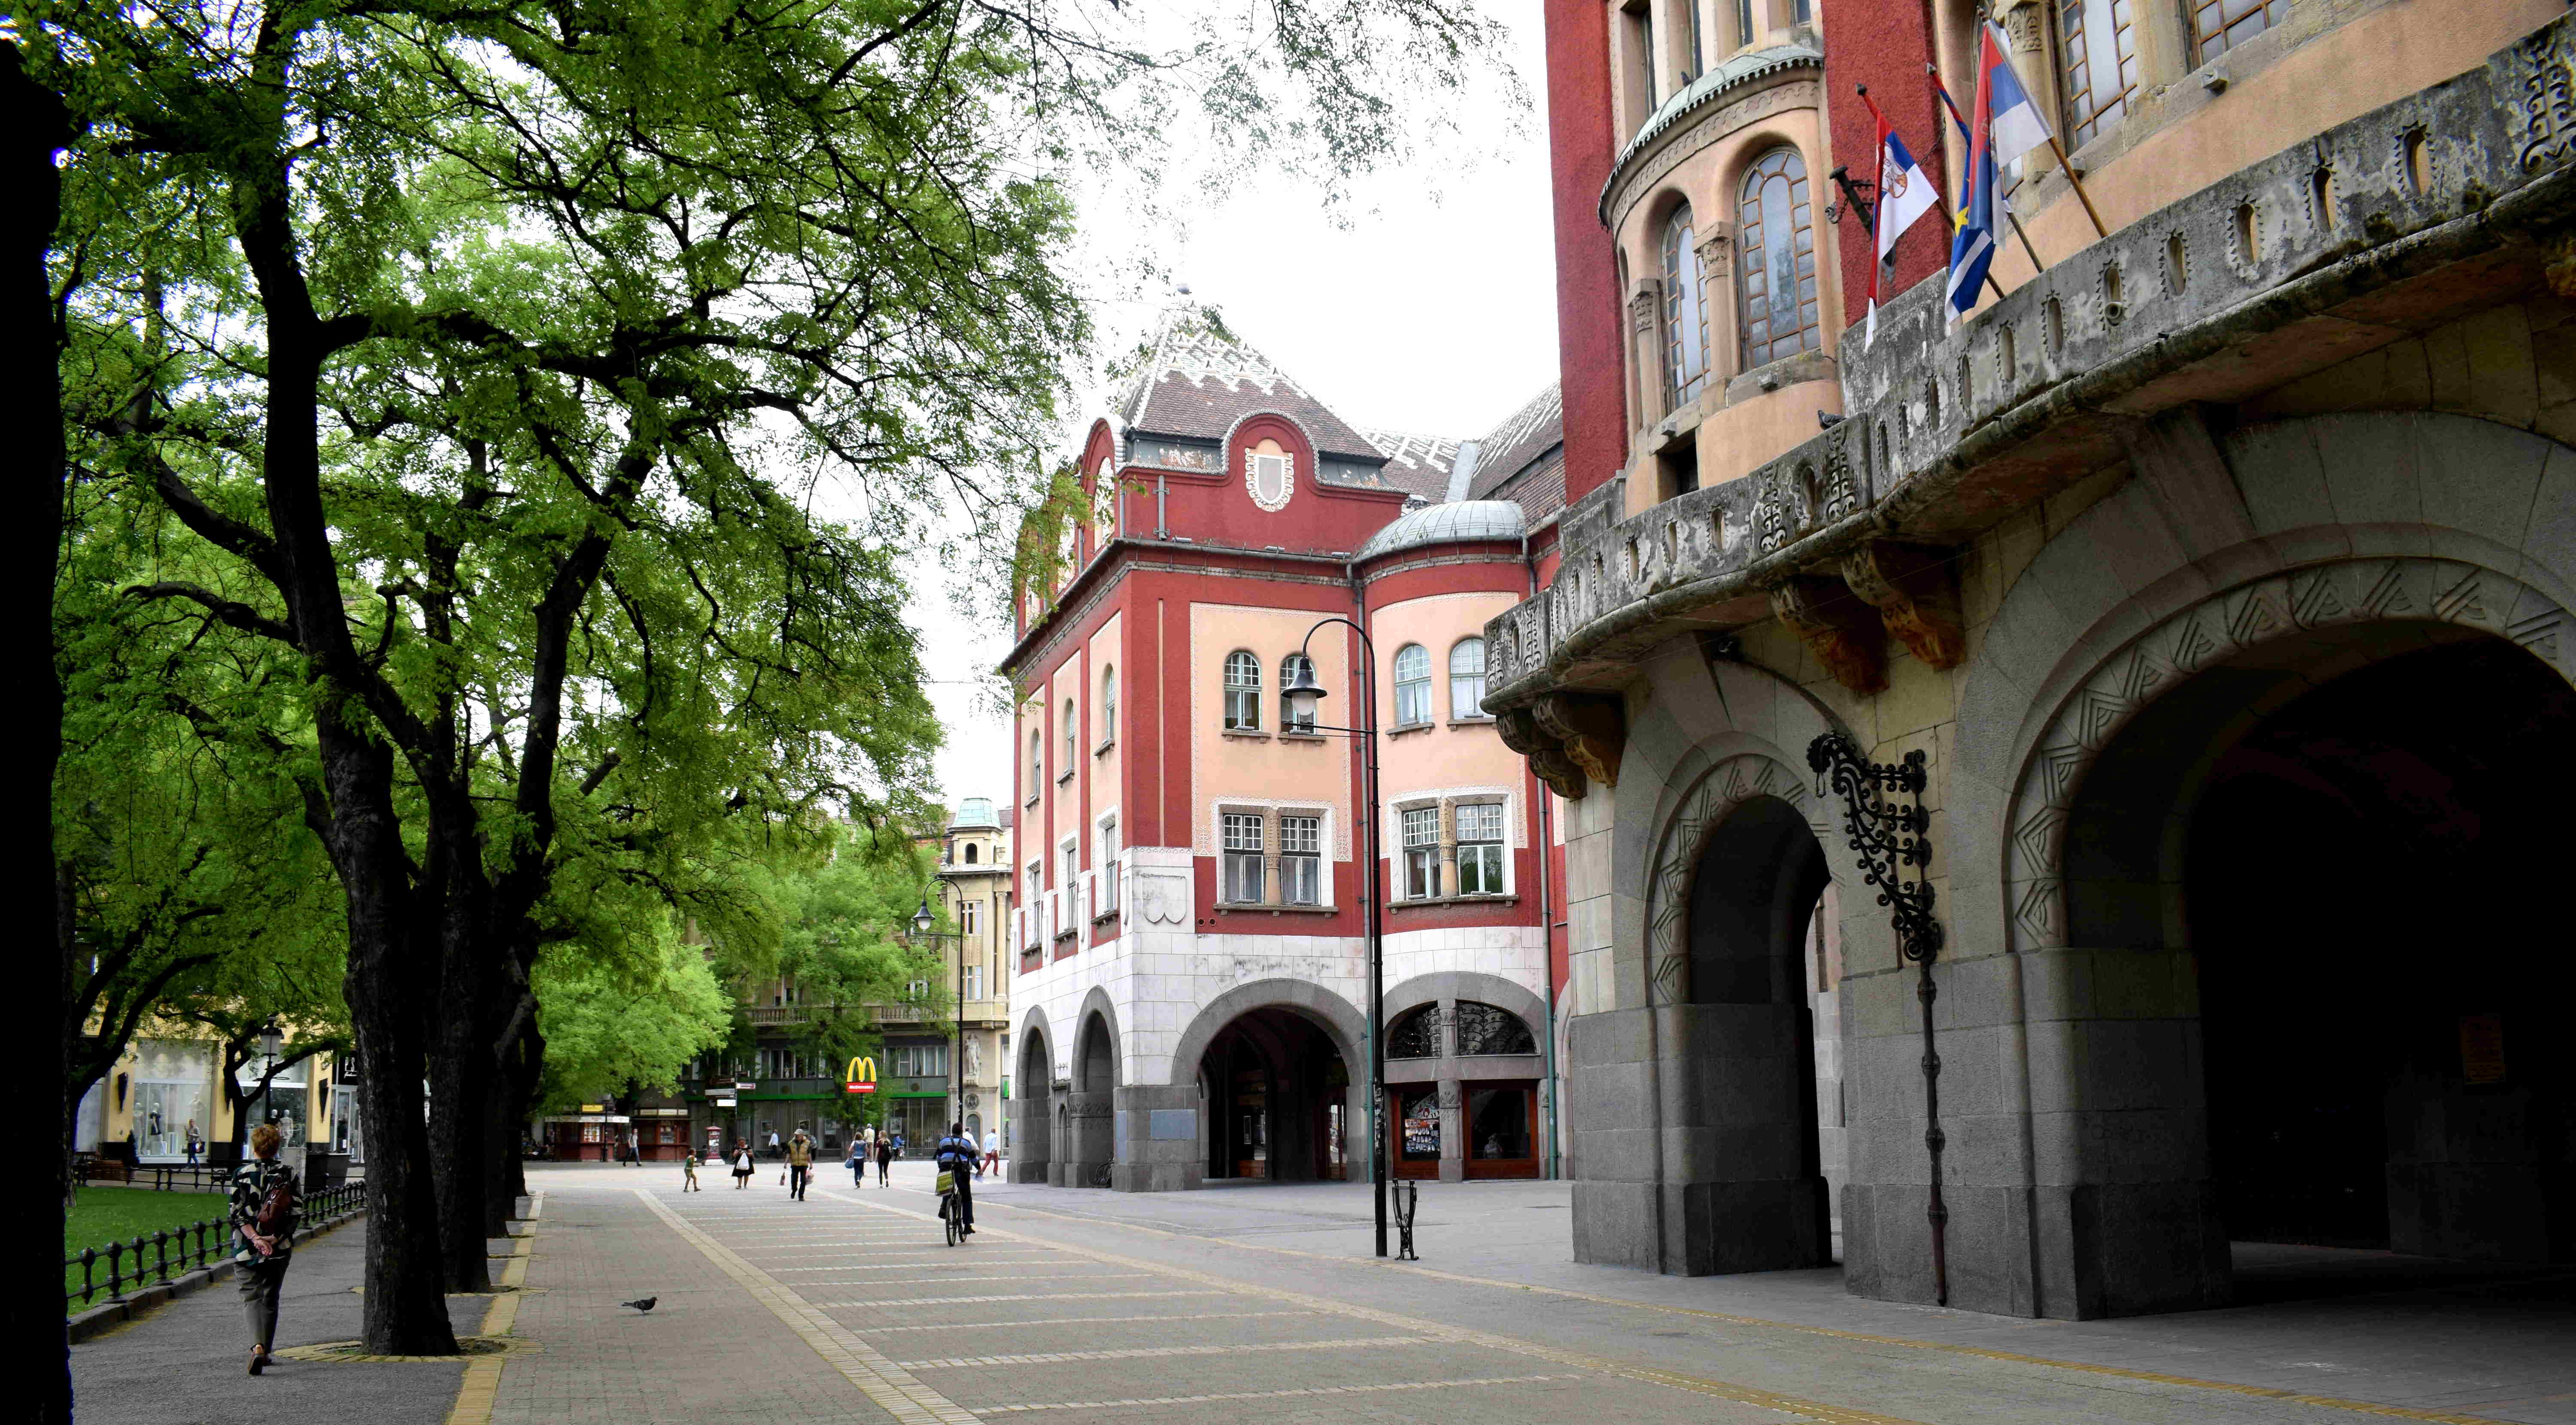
{"x":1431,"y":308}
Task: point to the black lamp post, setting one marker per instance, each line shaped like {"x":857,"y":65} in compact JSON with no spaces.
{"x":922,"y":920}
{"x":1301,"y":694}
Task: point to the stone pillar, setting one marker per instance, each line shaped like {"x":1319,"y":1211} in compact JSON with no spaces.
{"x":1089,"y":1117}
{"x":1448,"y":877}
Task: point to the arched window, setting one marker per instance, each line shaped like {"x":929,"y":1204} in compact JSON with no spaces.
{"x":1416,"y":1035}
{"x":1412,"y":685}
{"x":1037,"y":763}
{"x":1777,"y":270}
{"x":1487,"y":1029}
{"x":1072,"y":739}
{"x":1242,"y":692}
{"x":1290,"y":668}
{"x":1467,"y":678}
{"x":1685,"y":311}
{"x":971,"y":850}
{"x":1108,"y":706}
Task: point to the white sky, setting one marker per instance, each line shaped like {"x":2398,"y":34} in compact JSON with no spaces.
{"x":1430,"y":308}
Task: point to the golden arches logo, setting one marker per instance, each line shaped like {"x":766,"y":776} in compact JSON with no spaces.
{"x":863,"y":1075}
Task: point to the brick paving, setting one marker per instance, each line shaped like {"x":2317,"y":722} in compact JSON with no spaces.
{"x":1263,"y":1305}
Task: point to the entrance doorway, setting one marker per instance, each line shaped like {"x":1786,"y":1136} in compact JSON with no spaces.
{"x":1278,"y":1096}
{"x":2368,"y":894}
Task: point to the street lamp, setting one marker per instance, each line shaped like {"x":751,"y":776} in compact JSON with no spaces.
{"x":922,"y":920}
{"x":1302,"y":693}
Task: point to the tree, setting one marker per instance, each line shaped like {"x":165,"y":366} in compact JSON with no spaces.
{"x":839,"y":944}
{"x":490,"y":329}
{"x":609,"y":1024}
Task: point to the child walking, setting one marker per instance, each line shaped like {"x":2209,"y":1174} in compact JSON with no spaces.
{"x":690,"y":1184}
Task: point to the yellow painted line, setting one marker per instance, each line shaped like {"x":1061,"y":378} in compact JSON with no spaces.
{"x":481,"y":1388}
{"x":1754,"y":1396}
{"x":881,"y":1380}
{"x":2264,"y":1392}
{"x":1269,"y":1394}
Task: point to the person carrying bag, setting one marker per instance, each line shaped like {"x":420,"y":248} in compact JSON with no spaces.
{"x":956,"y":1157}
{"x":264,"y":1197}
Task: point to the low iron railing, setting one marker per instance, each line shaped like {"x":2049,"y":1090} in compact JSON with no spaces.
{"x":171,"y":1251}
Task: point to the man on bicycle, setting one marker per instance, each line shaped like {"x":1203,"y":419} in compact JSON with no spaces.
{"x":956,"y":1157}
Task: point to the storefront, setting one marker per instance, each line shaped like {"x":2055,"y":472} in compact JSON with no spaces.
{"x":173,"y":1087}
{"x":286,"y":1103}
{"x":661,"y":1134}
{"x":586,"y":1137}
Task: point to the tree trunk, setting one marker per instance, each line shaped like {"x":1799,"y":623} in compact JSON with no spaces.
{"x":38,"y":1356}
{"x":461,"y":1094}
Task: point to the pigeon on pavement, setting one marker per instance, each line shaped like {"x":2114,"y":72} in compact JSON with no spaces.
{"x":641,"y":1303}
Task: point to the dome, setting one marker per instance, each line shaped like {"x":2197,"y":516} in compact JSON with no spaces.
{"x":973,"y":814}
{"x":1444,"y":524}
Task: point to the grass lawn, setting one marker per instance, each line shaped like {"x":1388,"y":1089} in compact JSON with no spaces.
{"x":102,"y":1214}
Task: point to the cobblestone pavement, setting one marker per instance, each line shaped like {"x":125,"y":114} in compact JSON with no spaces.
{"x":1078,"y":1306}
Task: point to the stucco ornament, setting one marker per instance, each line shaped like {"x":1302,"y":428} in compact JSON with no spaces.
{"x":1270,"y":478}
{"x":1162,"y":899}
{"x":1728,"y":785}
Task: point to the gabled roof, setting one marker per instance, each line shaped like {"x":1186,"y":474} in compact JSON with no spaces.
{"x":1419,"y":465}
{"x":1201,"y":379}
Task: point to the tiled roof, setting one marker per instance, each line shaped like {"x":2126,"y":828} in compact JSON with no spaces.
{"x":1539,"y":488}
{"x":1200,"y":380}
{"x":1520,"y":441}
{"x":1419,"y":465}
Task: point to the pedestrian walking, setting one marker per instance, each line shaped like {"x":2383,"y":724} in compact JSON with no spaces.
{"x":196,"y":1144}
{"x":773,"y":1143}
{"x":263,"y":1220}
{"x":885,"y":1157}
{"x":800,"y":1164}
{"x":992,"y":1151}
{"x":898,"y":1142}
{"x":741,"y":1166}
{"x":955,"y":1156}
{"x":689,"y":1166}
{"x":857,"y":1163}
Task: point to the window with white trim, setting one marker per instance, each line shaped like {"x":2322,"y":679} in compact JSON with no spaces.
{"x":1037,"y":765}
{"x":1467,"y":678}
{"x":1071,"y":853}
{"x":1072,"y":744}
{"x":1108,"y":860}
{"x":974,"y":982}
{"x":1412,"y":685}
{"x":970,"y":917}
{"x":1421,"y":853}
{"x":1289,"y":669}
{"x":1242,"y":692}
{"x":1301,"y":860}
{"x":1108,"y":706}
{"x":1480,"y":849}
{"x":1035,"y":901}
{"x":1242,"y":857}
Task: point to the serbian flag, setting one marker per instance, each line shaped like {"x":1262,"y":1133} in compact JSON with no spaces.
{"x":2006,"y":125}
{"x":1905,"y":193}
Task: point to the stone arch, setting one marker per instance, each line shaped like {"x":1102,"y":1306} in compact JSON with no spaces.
{"x":1713,"y":797}
{"x":1097,"y":1010}
{"x":1469,"y":984}
{"x":1033,"y":1105}
{"x":1340,"y":1020}
{"x":2303,"y":605}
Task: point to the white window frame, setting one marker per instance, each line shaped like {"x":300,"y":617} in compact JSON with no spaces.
{"x":1072,"y":740}
{"x":1418,"y":861}
{"x":1108,"y":705}
{"x":1242,"y":699}
{"x":1107,"y":854}
{"x":1469,"y":707}
{"x":970,"y":917}
{"x":1292,"y":858}
{"x":1240,"y":836}
{"x":1500,"y":842}
{"x":1412,"y":695}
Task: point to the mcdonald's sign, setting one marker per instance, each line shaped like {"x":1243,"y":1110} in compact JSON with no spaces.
{"x":863,"y":1075}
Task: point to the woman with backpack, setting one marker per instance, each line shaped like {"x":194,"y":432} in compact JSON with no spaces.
{"x":263,"y":1218}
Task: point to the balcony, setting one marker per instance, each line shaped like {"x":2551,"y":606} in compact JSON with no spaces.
{"x":2440,"y":203}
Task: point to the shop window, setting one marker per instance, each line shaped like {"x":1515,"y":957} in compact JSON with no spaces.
{"x":1488,"y":1029}
{"x":1412,"y":685}
{"x":1498,"y":1124}
{"x":1422,"y":853}
{"x":1778,"y":269}
{"x":1242,"y":692}
{"x":1420,"y":1124}
{"x":2097,"y":49}
{"x":1480,"y":849}
{"x":1242,"y":858}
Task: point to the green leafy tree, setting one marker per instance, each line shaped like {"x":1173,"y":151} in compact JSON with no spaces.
{"x":470,"y":343}
{"x":845,"y":943}
{"x":633,"y":1020}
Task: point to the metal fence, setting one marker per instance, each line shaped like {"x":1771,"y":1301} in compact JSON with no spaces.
{"x":178,"y":1250}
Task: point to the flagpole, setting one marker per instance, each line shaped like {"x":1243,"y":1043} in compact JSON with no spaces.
{"x":2080,"y":195}
{"x":2036,"y":266}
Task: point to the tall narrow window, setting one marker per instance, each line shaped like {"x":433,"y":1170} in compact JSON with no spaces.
{"x":1109,"y":863}
{"x":1422,"y":853}
{"x":1467,"y":678}
{"x":971,"y":849}
{"x":1301,"y":860}
{"x":1037,"y":765}
{"x":1744,"y":34}
{"x":1480,"y":849}
{"x":1412,"y":685}
{"x":2098,"y":45}
{"x":1108,"y":706}
{"x":970,"y":917}
{"x":1072,"y":743}
{"x":1778,"y":271}
{"x":1242,"y":692}
{"x":1290,"y":668}
{"x":974,"y":977}
{"x":1686,"y":26}
{"x":1685,"y":311}
{"x":1242,"y":858}
{"x":2218,"y":26}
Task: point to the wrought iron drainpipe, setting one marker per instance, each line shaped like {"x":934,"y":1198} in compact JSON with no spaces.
{"x":1546,"y":909}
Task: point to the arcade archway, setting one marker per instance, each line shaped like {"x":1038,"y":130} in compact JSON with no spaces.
{"x":1280,"y":1102}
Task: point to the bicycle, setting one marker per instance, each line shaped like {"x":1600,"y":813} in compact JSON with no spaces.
{"x":948,"y":1220}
